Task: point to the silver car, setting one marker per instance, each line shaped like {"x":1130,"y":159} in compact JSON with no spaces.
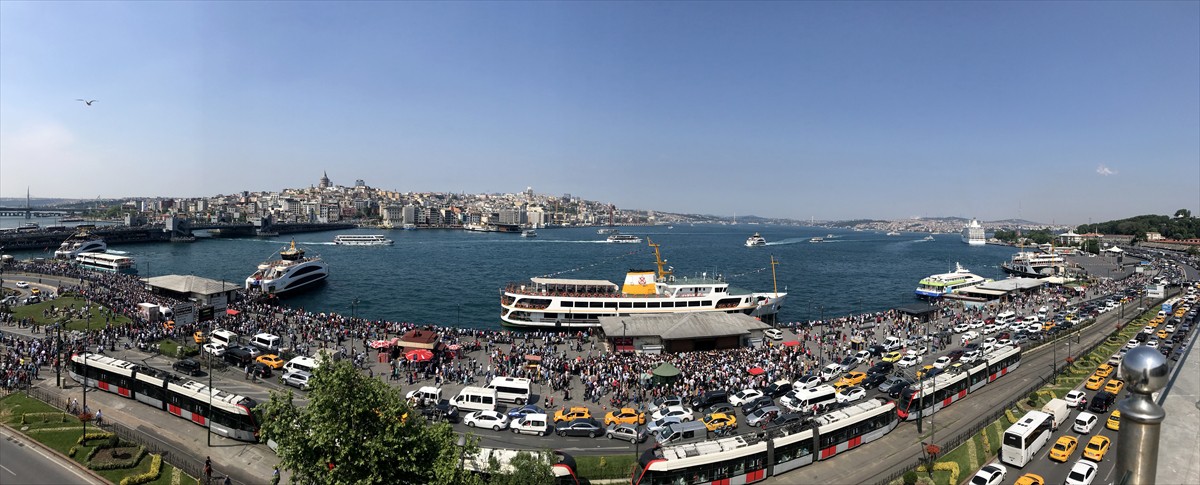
{"x":627,"y":432}
{"x":763,"y":415}
{"x":297,"y":378}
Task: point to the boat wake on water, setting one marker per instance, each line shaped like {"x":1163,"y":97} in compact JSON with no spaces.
{"x":114,"y":251}
{"x":791,"y":240}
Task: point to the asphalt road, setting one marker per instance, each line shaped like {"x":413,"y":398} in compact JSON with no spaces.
{"x":25,"y":463}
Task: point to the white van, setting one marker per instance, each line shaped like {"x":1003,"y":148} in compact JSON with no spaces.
{"x":511,"y":389}
{"x":535,"y":424}
{"x":893,"y":343}
{"x":223,"y":337}
{"x":805,"y":400}
{"x":1006,"y":317}
{"x":306,"y":364}
{"x":425,"y":396}
{"x":474,"y":398}
{"x":266,"y":342}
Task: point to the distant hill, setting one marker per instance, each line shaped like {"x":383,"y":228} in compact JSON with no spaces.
{"x":1182,"y":226}
{"x":36,"y":202}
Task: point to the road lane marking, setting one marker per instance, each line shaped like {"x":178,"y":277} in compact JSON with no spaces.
{"x":10,"y":472}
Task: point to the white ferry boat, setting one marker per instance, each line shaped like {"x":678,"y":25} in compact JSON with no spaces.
{"x":938,"y":285}
{"x":362,"y":240}
{"x":624,"y":239}
{"x":927,"y":238}
{"x":111,"y":263}
{"x":755,"y":240}
{"x":606,"y":231}
{"x":973,"y":234}
{"x":529,"y":233}
{"x":79,"y":243}
{"x":292,"y":271}
{"x":893,"y":233}
{"x":1034,"y":264}
{"x":563,"y":303}
{"x":816,"y":240}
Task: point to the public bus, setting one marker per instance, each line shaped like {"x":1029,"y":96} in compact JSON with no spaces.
{"x":228,"y":414}
{"x":753,"y":457}
{"x":1025,"y":438}
{"x":946,"y":388}
{"x":562,"y":465}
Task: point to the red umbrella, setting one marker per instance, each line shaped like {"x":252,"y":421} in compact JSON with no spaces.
{"x":380,"y":344}
{"x":791,"y":343}
{"x":452,"y":347}
{"x":754,"y":371}
{"x":418,"y":355}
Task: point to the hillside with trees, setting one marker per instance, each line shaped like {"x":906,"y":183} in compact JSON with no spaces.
{"x":1181,"y":226}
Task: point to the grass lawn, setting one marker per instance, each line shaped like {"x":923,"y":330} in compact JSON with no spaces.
{"x":605,"y":467}
{"x":35,"y":310}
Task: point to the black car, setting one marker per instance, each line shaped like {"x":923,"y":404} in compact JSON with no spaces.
{"x":786,"y":418}
{"x":777,"y":389}
{"x":881,"y":368}
{"x":580,"y":427}
{"x":709,"y":398}
{"x":187,"y":366}
{"x":238,"y":356}
{"x":876,"y":350}
{"x":442,"y":411}
{"x":761,"y":401}
{"x":873,"y":380}
{"x":1101,"y":402}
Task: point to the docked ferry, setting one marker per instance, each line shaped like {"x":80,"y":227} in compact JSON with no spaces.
{"x":1034,"y":264}
{"x":973,"y":234}
{"x":755,"y":240}
{"x":291,"y":272}
{"x":939,"y":285}
{"x":111,"y":263}
{"x":79,"y":243}
{"x":362,"y":240}
{"x":562,"y":303}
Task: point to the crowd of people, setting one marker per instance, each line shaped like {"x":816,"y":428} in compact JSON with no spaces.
{"x":573,"y":365}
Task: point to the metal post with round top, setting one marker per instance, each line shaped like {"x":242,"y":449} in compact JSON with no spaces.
{"x":1145,"y":372}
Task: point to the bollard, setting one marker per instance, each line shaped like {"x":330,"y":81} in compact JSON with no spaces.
{"x":1145,"y":372}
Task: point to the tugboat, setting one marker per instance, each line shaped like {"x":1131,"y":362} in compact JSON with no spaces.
{"x":291,"y":272}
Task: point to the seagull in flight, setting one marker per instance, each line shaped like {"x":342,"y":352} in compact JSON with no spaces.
{"x":87,"y":102}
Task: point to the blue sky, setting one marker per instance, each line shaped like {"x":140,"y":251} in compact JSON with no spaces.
{"x":1055,"y":112}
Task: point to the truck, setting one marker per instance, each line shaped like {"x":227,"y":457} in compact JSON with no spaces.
{"x":1058,"y":409}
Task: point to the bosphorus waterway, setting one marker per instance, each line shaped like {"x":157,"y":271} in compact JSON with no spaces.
{"x":453,"y":277}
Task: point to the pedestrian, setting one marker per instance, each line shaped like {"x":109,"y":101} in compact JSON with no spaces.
{"x":275,"y":476}
{"x":208,"y":469}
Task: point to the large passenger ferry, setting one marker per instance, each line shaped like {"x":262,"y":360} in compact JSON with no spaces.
{"x":938,"y":285}
{"x":1034,"y":264}
{"x":973,"y":234}
{"x":292,"y":271}
{"x":624,"y":239}
{"x":106,"y":262}
{"x":559,"y":303}
{"x":362,"y":240}
{"x":79,"y":243}
{"x":756,"y":240}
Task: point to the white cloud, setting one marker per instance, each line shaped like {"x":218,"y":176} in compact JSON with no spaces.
{"x":1104,"y":170}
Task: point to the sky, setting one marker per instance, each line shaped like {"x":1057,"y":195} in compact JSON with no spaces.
{"x":1058,"y":112}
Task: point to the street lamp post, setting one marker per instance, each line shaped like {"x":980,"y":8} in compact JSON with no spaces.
{"x":462,"y":454}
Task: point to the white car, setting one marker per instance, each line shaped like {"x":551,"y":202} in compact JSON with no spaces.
{"x":1152,"y":344}
{"x":22,"y":284}
{"x":1082,"y":473}
{"x":1072,"y":398}
{"x":989,"y":343}
{"x":1003,"y":342}
{"x":807,"y":382}
{"x":969,"y":356}
{"x":1084,"y":422}
{"x":830,"y":371}
{"x":990,"y":328}
{"x":852,"y":394}
{"x":1170,"y":328}
{"x":486,"y":419}
{"x":215,"y":349}
{"x":863,"y":355}
{"x":773,"y":333}
{"x":941,"y":362}
{"x":908,"y":361}
{"x":920,"y":350}
{"x":1131,"y":344}
{"x":684,"y":414}
{"x":962,"y":327}
{"x":976,"y":324}
{"x":972,"y":335}
{"x":990,"y":474}
{"x":1148,"y":330}
{"x":744,"y":396}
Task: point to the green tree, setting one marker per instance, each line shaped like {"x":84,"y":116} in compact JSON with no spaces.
{"x":1091,"y":246}
{"x":1183,"y":213}
{"x":525,"y":469}
{"x":359,"y":430}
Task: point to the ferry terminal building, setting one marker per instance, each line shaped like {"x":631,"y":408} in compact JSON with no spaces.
{"x":681,"y":332}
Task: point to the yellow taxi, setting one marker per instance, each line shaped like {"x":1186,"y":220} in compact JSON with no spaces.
{"x":924,"y":370}
{"x":1104,"y":370}
{"x":1030,"y":479}
{"x":1049,"y":325}
{"x":1094,"y":382}
{"x":1154,"y":323}
{"x":270,"y":360}
{"x":1114,"y":386}
{"x":624,"y":416}
{"x":199,"y":337}
{"x":716,"y":421}
{"x":1063,"y":448}
{"x":575,"y":412}
{"x":1162,"y":334}
{"x":1096,"y":448}
{"x":35,"y":291}
{"x":1114,"y":421}
{"x":851,"y":379}
{"x":892,"y":357}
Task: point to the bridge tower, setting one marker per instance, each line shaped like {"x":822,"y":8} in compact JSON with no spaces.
{"x":28,"y":210}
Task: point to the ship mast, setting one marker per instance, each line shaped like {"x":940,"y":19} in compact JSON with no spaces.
{"x":659,"y":261}
{"x":774,"y":283}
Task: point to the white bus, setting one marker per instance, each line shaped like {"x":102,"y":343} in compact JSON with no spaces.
{"x":1023,"y":440}
{"x":511,"y":389}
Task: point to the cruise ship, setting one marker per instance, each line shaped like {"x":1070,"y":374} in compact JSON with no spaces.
{"x":973,"y":234}
{"x":755,"y":240}
{"x":362,"y":240}
{"x":1034,"y":264}
{"x":624,"y":239}
{"x":939,"y":285}
{"x":291,"y":272}
{"x":574,"y":303}
{"x":79,"y":243}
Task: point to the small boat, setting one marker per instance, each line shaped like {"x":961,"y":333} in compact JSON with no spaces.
{"x":927,"y":238}
{"x":606,"y":231}
{"x":409,"y":227}
{"x":755,"y":241}
{"x":893,"y":233}
{"x":816,"y":240}
{"x":624,"y":239}
{"x":529,"y":233}
{"x":291,"y":272}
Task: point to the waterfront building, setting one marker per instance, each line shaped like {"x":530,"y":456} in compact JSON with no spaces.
{"x":682,"y":332}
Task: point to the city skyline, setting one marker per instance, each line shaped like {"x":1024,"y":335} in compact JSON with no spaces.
{"x":1057,"y":112}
